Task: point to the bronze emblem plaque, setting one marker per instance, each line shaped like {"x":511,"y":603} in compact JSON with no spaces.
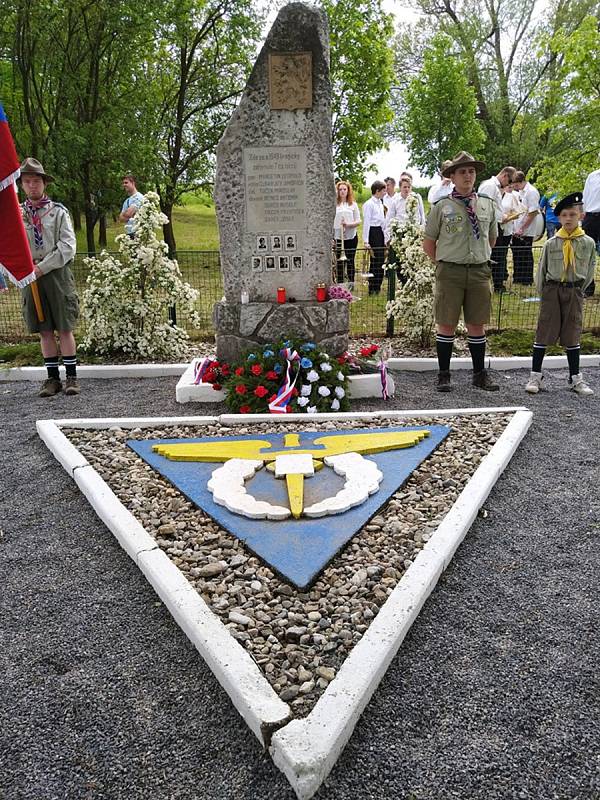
{"x":290,"y":81}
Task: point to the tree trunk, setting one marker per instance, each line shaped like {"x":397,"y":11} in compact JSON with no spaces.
{"x":75,"y":210}
{"x":166,"y":207}
{"x":102,"y":231}
{"x":90,"y":221}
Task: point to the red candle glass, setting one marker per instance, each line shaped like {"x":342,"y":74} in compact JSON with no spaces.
{"x":321,"y":293}
{"x":281,"y":295}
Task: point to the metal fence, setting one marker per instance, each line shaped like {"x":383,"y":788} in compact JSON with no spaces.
{"x":515,"y":308}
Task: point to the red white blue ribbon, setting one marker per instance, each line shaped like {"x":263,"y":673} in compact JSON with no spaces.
{"x":284,"y":395}
{"x":384,"y":380}
{"x":200,"y":367}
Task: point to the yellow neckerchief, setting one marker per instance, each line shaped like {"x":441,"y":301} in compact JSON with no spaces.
{"x":568,"y":252}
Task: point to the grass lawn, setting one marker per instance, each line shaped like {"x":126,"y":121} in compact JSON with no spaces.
{"x":194,"y":224}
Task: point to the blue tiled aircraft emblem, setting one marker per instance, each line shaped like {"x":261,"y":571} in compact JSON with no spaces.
{"x":297,"y":549}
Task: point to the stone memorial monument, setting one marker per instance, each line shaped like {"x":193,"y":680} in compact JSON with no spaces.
{"x":275,"y":196}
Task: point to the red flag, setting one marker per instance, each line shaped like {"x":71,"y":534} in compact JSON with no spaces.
{"x":15,"y":256}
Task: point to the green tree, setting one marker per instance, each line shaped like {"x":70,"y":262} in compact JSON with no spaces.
{"x":496,"y":40}
{"x":439,"y":109}
{"x":203,"y":54}
{"x":72,"y":67}
{"x":574,"y":132}
{"x":362,"y":76}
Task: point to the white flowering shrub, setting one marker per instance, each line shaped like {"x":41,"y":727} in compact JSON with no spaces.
{"x":126,"y":299}
{"x":413,"y":304}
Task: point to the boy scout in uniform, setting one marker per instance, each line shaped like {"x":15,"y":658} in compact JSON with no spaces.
{"x":460,"y":232}
{"x":565,"y":271}
{"x":52,"y":243}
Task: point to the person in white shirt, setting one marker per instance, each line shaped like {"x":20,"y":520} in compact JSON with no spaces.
{"x":373,"y":238}
{"x":401,"y":209}
{"x":493,"y":188}
{"x":591,"y":220}
{"x":522,"y":238}
{"x":347,"y":220}
{"x":419,"y":198}
{"x":443,"y":188}
{"x":390,"y":193}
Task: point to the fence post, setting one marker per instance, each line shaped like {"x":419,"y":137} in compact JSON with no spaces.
{"x":499,"y":318}
{"x":391,"y":294}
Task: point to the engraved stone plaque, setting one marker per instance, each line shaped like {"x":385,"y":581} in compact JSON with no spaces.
{"x":275,"y":190}
{"x":290,"y":81}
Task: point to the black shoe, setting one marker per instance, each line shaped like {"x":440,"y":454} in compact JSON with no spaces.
{"x":443,"y":381}
{"x":483,"y":381}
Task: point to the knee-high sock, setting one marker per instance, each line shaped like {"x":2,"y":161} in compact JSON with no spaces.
{"x":51,"y":365}
{"x":70,"y":363}
{"x":477,"y":349}
{"x":539,"y":351}
{"x":443,"y":345}
{"x":573,"y":359}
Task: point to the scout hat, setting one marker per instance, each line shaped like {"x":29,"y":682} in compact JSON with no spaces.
{"x":462,"y":159}
{"x":31,"y":166}
{"x":575,"y":199}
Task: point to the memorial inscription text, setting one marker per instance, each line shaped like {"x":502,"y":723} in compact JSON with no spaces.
{"x":275,"y":179}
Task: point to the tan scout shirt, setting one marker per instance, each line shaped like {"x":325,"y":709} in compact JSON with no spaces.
{"x":448,"y":225}
{"x":59,"y":244}
{"x":551,"y":264}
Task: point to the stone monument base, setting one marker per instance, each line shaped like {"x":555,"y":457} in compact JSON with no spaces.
{"x":240,"y":326}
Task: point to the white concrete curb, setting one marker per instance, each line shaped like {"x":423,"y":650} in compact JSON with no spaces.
{"x":102,"y":371}
{"x":499,"y":363}
{"x":305,"y":750}
{"x":395,"y":364}
{"x":103,"y":423}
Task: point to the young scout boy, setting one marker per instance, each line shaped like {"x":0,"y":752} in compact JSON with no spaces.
{"x":565,"y":271}
{"x":52,"y":243}
{"x":460,"y":232}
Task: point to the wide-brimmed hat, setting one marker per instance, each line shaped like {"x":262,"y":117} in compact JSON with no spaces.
{"x":462,"y":159}
{"x":31,"y":166}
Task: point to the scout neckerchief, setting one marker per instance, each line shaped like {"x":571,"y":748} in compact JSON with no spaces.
{"x":33,"y":209}
{"x":568,"y":251}
{"x":467,"y":199}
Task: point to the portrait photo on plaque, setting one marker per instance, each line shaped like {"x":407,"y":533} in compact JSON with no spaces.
{"x":276,"y":243}
{"x":262,"y":244}
{"x":284,"y":263}
{"x":257,"y":264}
{"x":290,"y":242}
{"x":269,"y":263}
{"x":296,"y":263}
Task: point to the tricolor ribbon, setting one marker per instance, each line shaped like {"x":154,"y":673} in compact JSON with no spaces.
{"x":200,"y":367}
{"x":384,"y":378}
{"x":281,"y":401}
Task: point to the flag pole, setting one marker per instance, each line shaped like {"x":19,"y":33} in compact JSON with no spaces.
{"x":37,"y":301}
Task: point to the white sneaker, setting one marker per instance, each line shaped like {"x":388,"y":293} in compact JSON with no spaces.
{"x":535,"y":383}
{"x":580,"y":386}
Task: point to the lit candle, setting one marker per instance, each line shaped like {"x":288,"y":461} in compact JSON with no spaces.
{"x":281,"y":295}
{"x":321,"y":293}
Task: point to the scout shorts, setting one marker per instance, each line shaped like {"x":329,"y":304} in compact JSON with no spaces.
{"x":561,"y":315}
{"x":60,"y":305}
{"x":462,"y":287}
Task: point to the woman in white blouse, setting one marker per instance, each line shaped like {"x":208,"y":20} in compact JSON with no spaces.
{"x":347,"y":220}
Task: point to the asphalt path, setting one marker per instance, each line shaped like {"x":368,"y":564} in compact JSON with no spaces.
{"x":494,"y":693}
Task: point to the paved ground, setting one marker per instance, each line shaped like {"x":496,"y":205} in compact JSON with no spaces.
{"x":494,"y":694}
